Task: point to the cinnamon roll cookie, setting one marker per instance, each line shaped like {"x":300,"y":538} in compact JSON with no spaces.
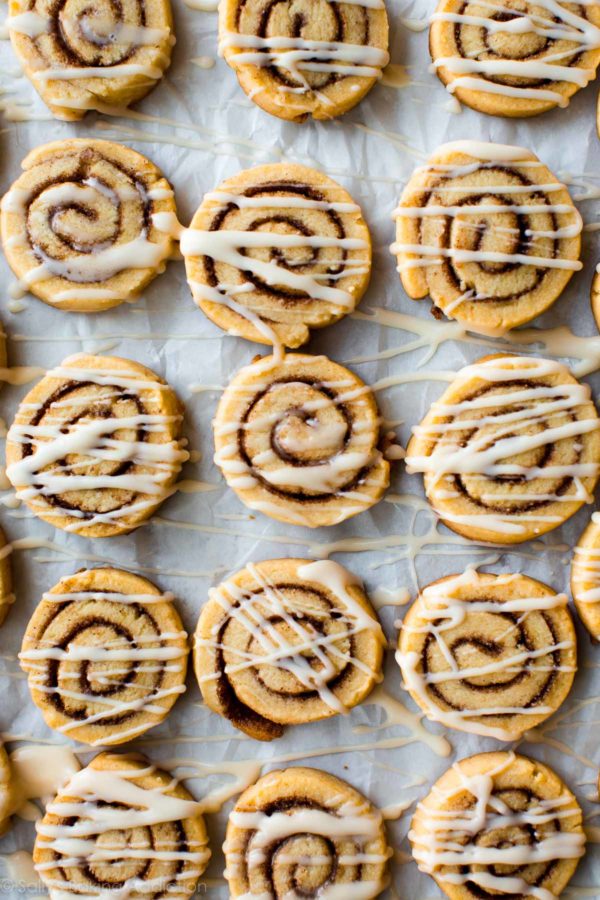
{"x":515,"y":57}
{"x":106,"y":656}
{"x":493,"y":655}
{"x":121,"y":827}
{"x":7,"y":597}
{"x":510,"y":451}
{"x":498,"y":824}
{"x":585,"y":577}
{"x":287,"y":641}
{"x":304,"y":833}
{"x":95,"y":446}
{"x":302,"y":58}
{"x":77,"y":226}
{"x":275,"y":251}
{"x":7,"y":791}
{"x":298,"y":439}
{"x":82,"y":56}
{"x":488,"y":234}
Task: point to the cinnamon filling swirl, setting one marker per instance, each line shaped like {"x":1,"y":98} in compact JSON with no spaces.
{"x":510,"y":451}
{"x":284,"y":642}
{"x":498,"y":824}
{"x":106,"y":656}
{"x":121,"y":825}
{"x":305,"y":59}
{"x":305,"y":833}
{"x":515,"y":58}
{"x":275,"y":251}
{"x":298,"y":439}
{"x":489,"y":654}
{"x":78,"y":224}
{"x":82,"y":56}
{"x":95,"y":446}
{"x":488,"y":233}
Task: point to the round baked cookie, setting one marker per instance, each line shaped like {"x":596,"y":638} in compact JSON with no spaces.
{"x":298,"y":439}
{"x":498,"y":824}
{"x":304,"y":58}
{"x":275,"y":251}
{"x":7,"y":793}
{"x":511,"y":449}
{"x":89,"y":55}
{"x":287,"y":641}
{"x":7,"y":597}
{"x":493,"y":655}
{"x":595,"y":296}
{"x":303,"y":832}
{"x":488,"y":234}
{"x":106,"y":655}
{"x":123,"y":827}
{"x":514,"y":57}
{"x":585,"y":577}
{"x":95,"y":446}
{"x":78,"y":227}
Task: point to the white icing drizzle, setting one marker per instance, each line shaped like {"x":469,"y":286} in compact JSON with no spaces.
{"x":354,"y":824}
{"x":105,"y":801}
{"x":37,"y":773}
{"x":422,"y":255}
{"x":297,"y":55}
{"x":447,"y":838}
{"x":479,"y":458}
{"x":444,"y":611}
{"x":86,"y":267}
{"x":95,"y":439}
{"x":563,"y":24}
{"x":586,"y":570}
{"x":247,"y":608}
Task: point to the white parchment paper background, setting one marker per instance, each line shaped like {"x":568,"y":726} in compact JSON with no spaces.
{"x":199,"y":127}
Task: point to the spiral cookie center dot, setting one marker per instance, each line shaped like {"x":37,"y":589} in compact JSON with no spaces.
{"x":303,"y":864}
{"x":94,"y":35}
{"x":114,"y":870}
{"x":302,"y":436}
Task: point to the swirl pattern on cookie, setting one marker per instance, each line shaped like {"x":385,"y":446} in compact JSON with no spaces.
{"x":493,"y":655}
{"x":77,"y":225}
{"x":275,"y":251}
{"x":82,"y":56}
{"x":510,"y":451}
{"x":297,"y":58}
{"x":106,"y":655}
{"x":498,"y":824}
{"x":515,"y":57}
{"x":585,"y":577}
{"x":121,"y":828}
{"x":95,"y":446}
{"x":287,"y":641}
{"x":298,"y":439}
{"x":304,"y":833}
{"x":488,"y":233}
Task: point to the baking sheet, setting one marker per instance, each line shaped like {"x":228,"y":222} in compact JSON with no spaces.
{"x":199,"y":128}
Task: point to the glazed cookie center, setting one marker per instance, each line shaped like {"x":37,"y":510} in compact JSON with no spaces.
{"x":295,"y":651}
{"x":519,"y":42}
{"x":102,"y":35}
{"x":311,"y":432}
{"x":521,"y":432}
{"x":302,"y":864}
